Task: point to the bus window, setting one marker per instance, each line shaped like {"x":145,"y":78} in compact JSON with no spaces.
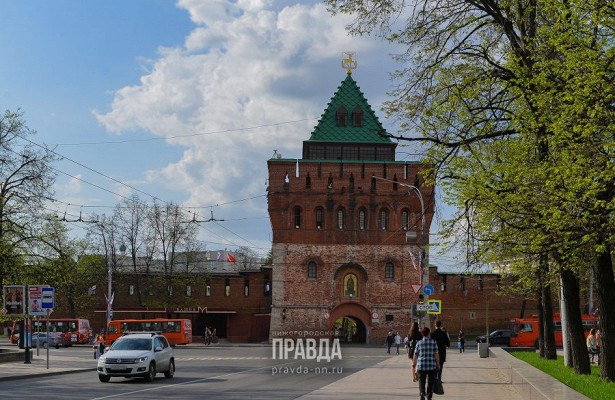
{"x":526,"y":328}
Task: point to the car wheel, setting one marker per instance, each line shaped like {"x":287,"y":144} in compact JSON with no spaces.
{"x":151,"y":373}
{"x":104,"y":378}
{"x":57,"y":346}
{"x":44,"y":345}
{"x":169,"y":374}
{"x":536,"y":343}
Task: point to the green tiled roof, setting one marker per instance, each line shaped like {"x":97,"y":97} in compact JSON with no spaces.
{"x":349,"y":95}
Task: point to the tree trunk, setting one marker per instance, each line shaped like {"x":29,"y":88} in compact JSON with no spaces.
{"x":605,"y":288}
{"x":574,"y":323}
{"x":549,"y":333}
{"x":541,"y":317}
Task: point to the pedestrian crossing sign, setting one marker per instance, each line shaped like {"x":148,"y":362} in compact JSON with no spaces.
{"x":435,"y":305}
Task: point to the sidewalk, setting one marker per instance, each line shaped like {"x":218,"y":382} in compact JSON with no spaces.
{"x":58,"y":364}
{"x":465,"y":376}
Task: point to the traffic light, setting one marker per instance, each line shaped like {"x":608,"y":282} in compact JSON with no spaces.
{"x":421,"y":298}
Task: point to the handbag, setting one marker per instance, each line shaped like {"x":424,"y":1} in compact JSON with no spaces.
{"x":437,"y":387}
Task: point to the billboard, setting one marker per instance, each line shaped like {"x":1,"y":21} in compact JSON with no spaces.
{"x":13,"y":296}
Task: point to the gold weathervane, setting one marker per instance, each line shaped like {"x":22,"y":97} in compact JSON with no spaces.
{"x":349,"y":61}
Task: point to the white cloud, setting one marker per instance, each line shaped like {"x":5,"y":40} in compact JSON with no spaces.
{"x":244,"y":65}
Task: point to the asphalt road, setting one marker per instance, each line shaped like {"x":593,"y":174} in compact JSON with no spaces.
{"x":219,"y":372}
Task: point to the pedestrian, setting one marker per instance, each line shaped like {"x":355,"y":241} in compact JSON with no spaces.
{"x":441,"y":337}
{"x":592,"y":345}
{"x":461,"y":341}
{"x":426,"y":361}
{"x":413,"y":338}
{"x":397,"y":341}
{"x":99,"y":346}
{"x":207,"y":335}
{"x":389,"y":341}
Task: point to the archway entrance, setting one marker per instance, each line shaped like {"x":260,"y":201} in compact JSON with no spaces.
{"x":349,"y":329}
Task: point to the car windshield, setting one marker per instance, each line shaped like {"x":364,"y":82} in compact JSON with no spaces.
{"x":132,"y":344}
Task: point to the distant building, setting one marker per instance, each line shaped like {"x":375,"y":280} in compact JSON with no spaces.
{"x":232,"y":297}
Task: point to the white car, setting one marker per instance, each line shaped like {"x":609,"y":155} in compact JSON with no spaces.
{"x":137,"y":355}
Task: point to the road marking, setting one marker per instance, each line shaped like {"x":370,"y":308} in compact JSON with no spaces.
{"x":188,"y":382}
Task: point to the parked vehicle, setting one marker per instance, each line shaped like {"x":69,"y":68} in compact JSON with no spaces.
{"x":137,"y":355}
{"x":500,"y":337}
{"x":54,"y":340}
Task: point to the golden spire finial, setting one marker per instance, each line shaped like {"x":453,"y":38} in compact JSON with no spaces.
{"x":349,"y":61}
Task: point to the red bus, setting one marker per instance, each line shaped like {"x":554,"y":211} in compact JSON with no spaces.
{"x":177,"y":331}
{"x":72,"y":330}
{"x":525,"y":330}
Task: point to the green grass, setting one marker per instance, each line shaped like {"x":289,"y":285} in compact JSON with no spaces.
{"x":589,"y":385}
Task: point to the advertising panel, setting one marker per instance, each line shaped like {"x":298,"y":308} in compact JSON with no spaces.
{"x":13,"y":296}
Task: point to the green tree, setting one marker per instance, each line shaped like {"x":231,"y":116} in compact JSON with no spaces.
{"x":26,"y":179}
{"x":519,"y":93}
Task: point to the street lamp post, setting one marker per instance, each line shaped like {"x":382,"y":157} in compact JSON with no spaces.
{"x":422,"y":237}
{"x":110,"y":294}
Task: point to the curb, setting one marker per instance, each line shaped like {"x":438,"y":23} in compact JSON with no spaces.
{"x":43,"y":374}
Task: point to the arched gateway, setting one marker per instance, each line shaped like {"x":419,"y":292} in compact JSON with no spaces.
{"x":350,"y":323}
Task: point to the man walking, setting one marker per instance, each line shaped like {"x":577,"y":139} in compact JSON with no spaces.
{"x":389,"y":341}
{"x":426,"y":362}
{"x":441,"y":337}
{"x":397,"y":341}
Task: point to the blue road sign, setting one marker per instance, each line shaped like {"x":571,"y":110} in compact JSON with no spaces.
{"x":47,"y":298}
{"x":428,"y":290}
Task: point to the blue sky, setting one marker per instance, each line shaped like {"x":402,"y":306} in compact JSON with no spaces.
{"x":183,"y":100}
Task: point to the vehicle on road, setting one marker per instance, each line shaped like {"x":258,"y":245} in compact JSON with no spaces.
{"x":500,"y":337}
{"x":137,"y":355}
{"x":73,"y":330}
{"x":177,"y":331}
{"x":525,"y":330}
{"x":43,"y":340}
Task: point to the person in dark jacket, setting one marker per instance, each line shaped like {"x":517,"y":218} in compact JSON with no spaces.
{"x":441,"y":337}
{"x":389,"y":341}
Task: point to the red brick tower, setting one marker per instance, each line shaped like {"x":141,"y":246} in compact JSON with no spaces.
{"x":346,"y":231}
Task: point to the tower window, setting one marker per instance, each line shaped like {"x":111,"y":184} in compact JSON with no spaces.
{"x":308,"y":181}
{"x":404,"y":220}
{"x":340,"y":219}
{"x":357,"y":117}
{"x":297,"y":217}
{"x":341,"y":116}
{"x":362,"y":219}
{"x":389,"y":271}
{"x":383,"y":220}
{"x":319,"y":218}
{"x":312,"y":269}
